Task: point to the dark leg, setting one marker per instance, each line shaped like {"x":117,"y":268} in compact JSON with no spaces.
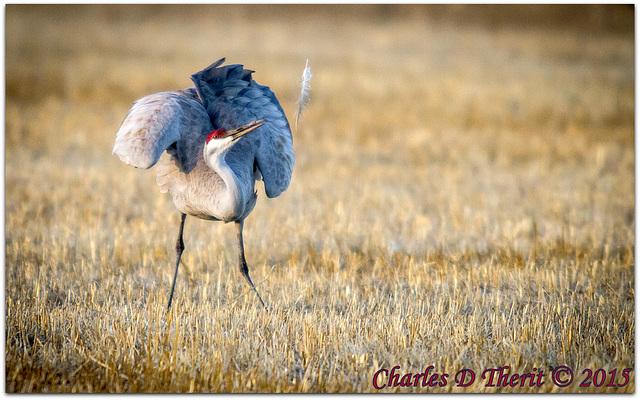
{"x":243,"y":262}
{"x":179,"y":250}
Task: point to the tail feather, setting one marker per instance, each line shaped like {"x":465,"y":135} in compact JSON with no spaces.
{"x":210,"y":79}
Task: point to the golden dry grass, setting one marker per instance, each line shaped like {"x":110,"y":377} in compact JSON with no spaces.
{"x":463,"y":197}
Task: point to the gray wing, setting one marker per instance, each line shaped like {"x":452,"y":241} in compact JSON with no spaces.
{"x":157,"y":121}
{"x":232,"y":98}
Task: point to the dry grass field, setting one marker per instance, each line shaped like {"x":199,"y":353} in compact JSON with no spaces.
{"x":463,"y":197}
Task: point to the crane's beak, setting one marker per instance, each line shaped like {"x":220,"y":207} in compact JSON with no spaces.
{"x":244,"y":129}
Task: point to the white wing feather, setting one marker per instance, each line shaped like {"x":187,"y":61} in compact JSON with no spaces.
{"x":155,"y":122}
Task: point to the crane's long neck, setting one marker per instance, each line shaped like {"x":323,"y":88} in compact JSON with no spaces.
{"x":231,"y":200}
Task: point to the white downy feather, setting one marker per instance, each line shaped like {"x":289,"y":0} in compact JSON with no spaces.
{"x":305,"y":91}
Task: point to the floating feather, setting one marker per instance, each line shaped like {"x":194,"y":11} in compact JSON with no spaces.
{"x":305,"y":91}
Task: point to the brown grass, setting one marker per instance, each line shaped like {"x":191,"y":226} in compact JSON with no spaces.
{"x":463,"y":197}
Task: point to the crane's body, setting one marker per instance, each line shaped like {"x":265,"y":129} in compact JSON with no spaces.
{"x":210,"y":144}
{"x":199,"y":190}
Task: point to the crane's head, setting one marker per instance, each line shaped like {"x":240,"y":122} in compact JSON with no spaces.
{"x":219,"y":140}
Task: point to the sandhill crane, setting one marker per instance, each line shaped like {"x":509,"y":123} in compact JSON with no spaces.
{"x":206,"y":159}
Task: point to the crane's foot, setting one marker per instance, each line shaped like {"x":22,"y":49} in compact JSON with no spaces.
{"x":243,"y":262}
{"x":245,"y":272}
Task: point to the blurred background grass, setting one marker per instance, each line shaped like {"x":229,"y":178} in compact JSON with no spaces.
{"x":455,"y":162}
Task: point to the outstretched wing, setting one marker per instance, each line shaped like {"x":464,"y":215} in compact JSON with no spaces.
{"x":157,"y":121}
{"x":232,"y":98}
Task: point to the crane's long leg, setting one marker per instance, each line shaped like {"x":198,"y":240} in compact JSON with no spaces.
{"x":243,"y":262}
{"x":179,"y":250}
